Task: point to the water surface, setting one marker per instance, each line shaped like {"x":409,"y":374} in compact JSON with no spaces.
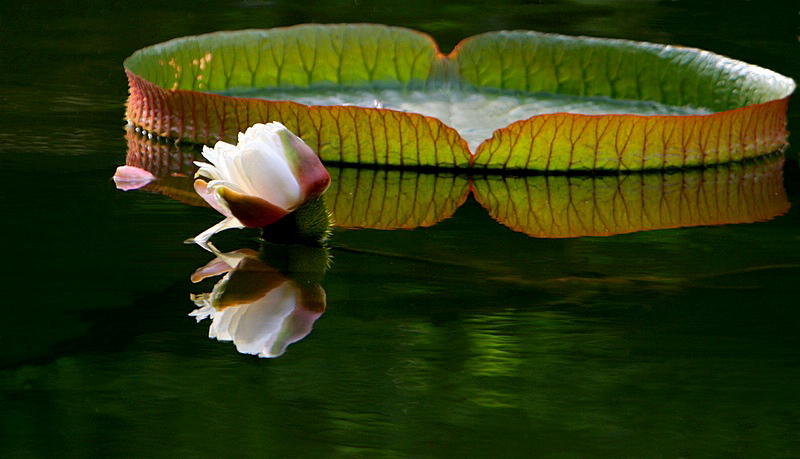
{"x":464,"y":336}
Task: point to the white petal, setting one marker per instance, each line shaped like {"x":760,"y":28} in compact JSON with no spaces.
{"x":214,"y":184}
{"x":257,"y":165}
{"x":261,"y":323}
{"x":224,"y":322}
{"x":260,"y":132}
{"x":207,"y":170}
{"x":240,"y":172}
{"x":223,"y":155}
{"x":270,"y":176}
{"x":203,"y":238}
{"x":252,"y":133}
{"x":214,"y":154}
{"x":203,"y":312}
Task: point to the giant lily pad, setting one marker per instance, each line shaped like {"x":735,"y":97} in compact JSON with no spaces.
{"x":499,"y":101}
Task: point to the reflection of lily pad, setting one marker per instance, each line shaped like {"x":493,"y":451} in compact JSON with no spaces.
{"x":539,"y":205}
{"x":572,"y":206}
{"x":741,"y":109}
{"x":381,"y":199}
{"x":172,"y":165}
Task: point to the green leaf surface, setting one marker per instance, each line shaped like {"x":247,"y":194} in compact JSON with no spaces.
{"x":620,"y":69}
{"x":288,"y":57}
{"x":201,"y":89}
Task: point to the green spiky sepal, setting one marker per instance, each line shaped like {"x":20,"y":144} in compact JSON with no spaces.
{"x":309,"y":225}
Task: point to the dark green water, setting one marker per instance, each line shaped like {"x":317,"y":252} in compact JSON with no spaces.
{"x":462,"y":339}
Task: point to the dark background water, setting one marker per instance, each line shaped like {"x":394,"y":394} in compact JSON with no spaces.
{"x":462,"y":339}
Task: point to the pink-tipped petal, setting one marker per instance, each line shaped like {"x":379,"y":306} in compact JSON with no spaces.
{"x":223,"y":263}
{"x":314,"y":179}
{"x":215,"y":267}
{"x":251,"y":211}
{"x":132,"y":178}
{"x":310,"y":304}
{"x":201,"y":187}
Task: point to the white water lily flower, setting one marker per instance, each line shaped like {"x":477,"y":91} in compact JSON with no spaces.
{"x":268,"y":174}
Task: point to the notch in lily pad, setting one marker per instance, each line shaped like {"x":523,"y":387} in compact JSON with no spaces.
{"x":370,"y":94}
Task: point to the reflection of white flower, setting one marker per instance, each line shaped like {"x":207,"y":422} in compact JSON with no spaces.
{"x":255,"y":306}
{"x":264,"y":328}
{"x":269,"y":173}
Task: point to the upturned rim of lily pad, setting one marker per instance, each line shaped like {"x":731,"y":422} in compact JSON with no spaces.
{"x":173,"y":85}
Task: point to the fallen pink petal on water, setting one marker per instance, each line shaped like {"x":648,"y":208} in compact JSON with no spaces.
{"x":132,"y":178}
